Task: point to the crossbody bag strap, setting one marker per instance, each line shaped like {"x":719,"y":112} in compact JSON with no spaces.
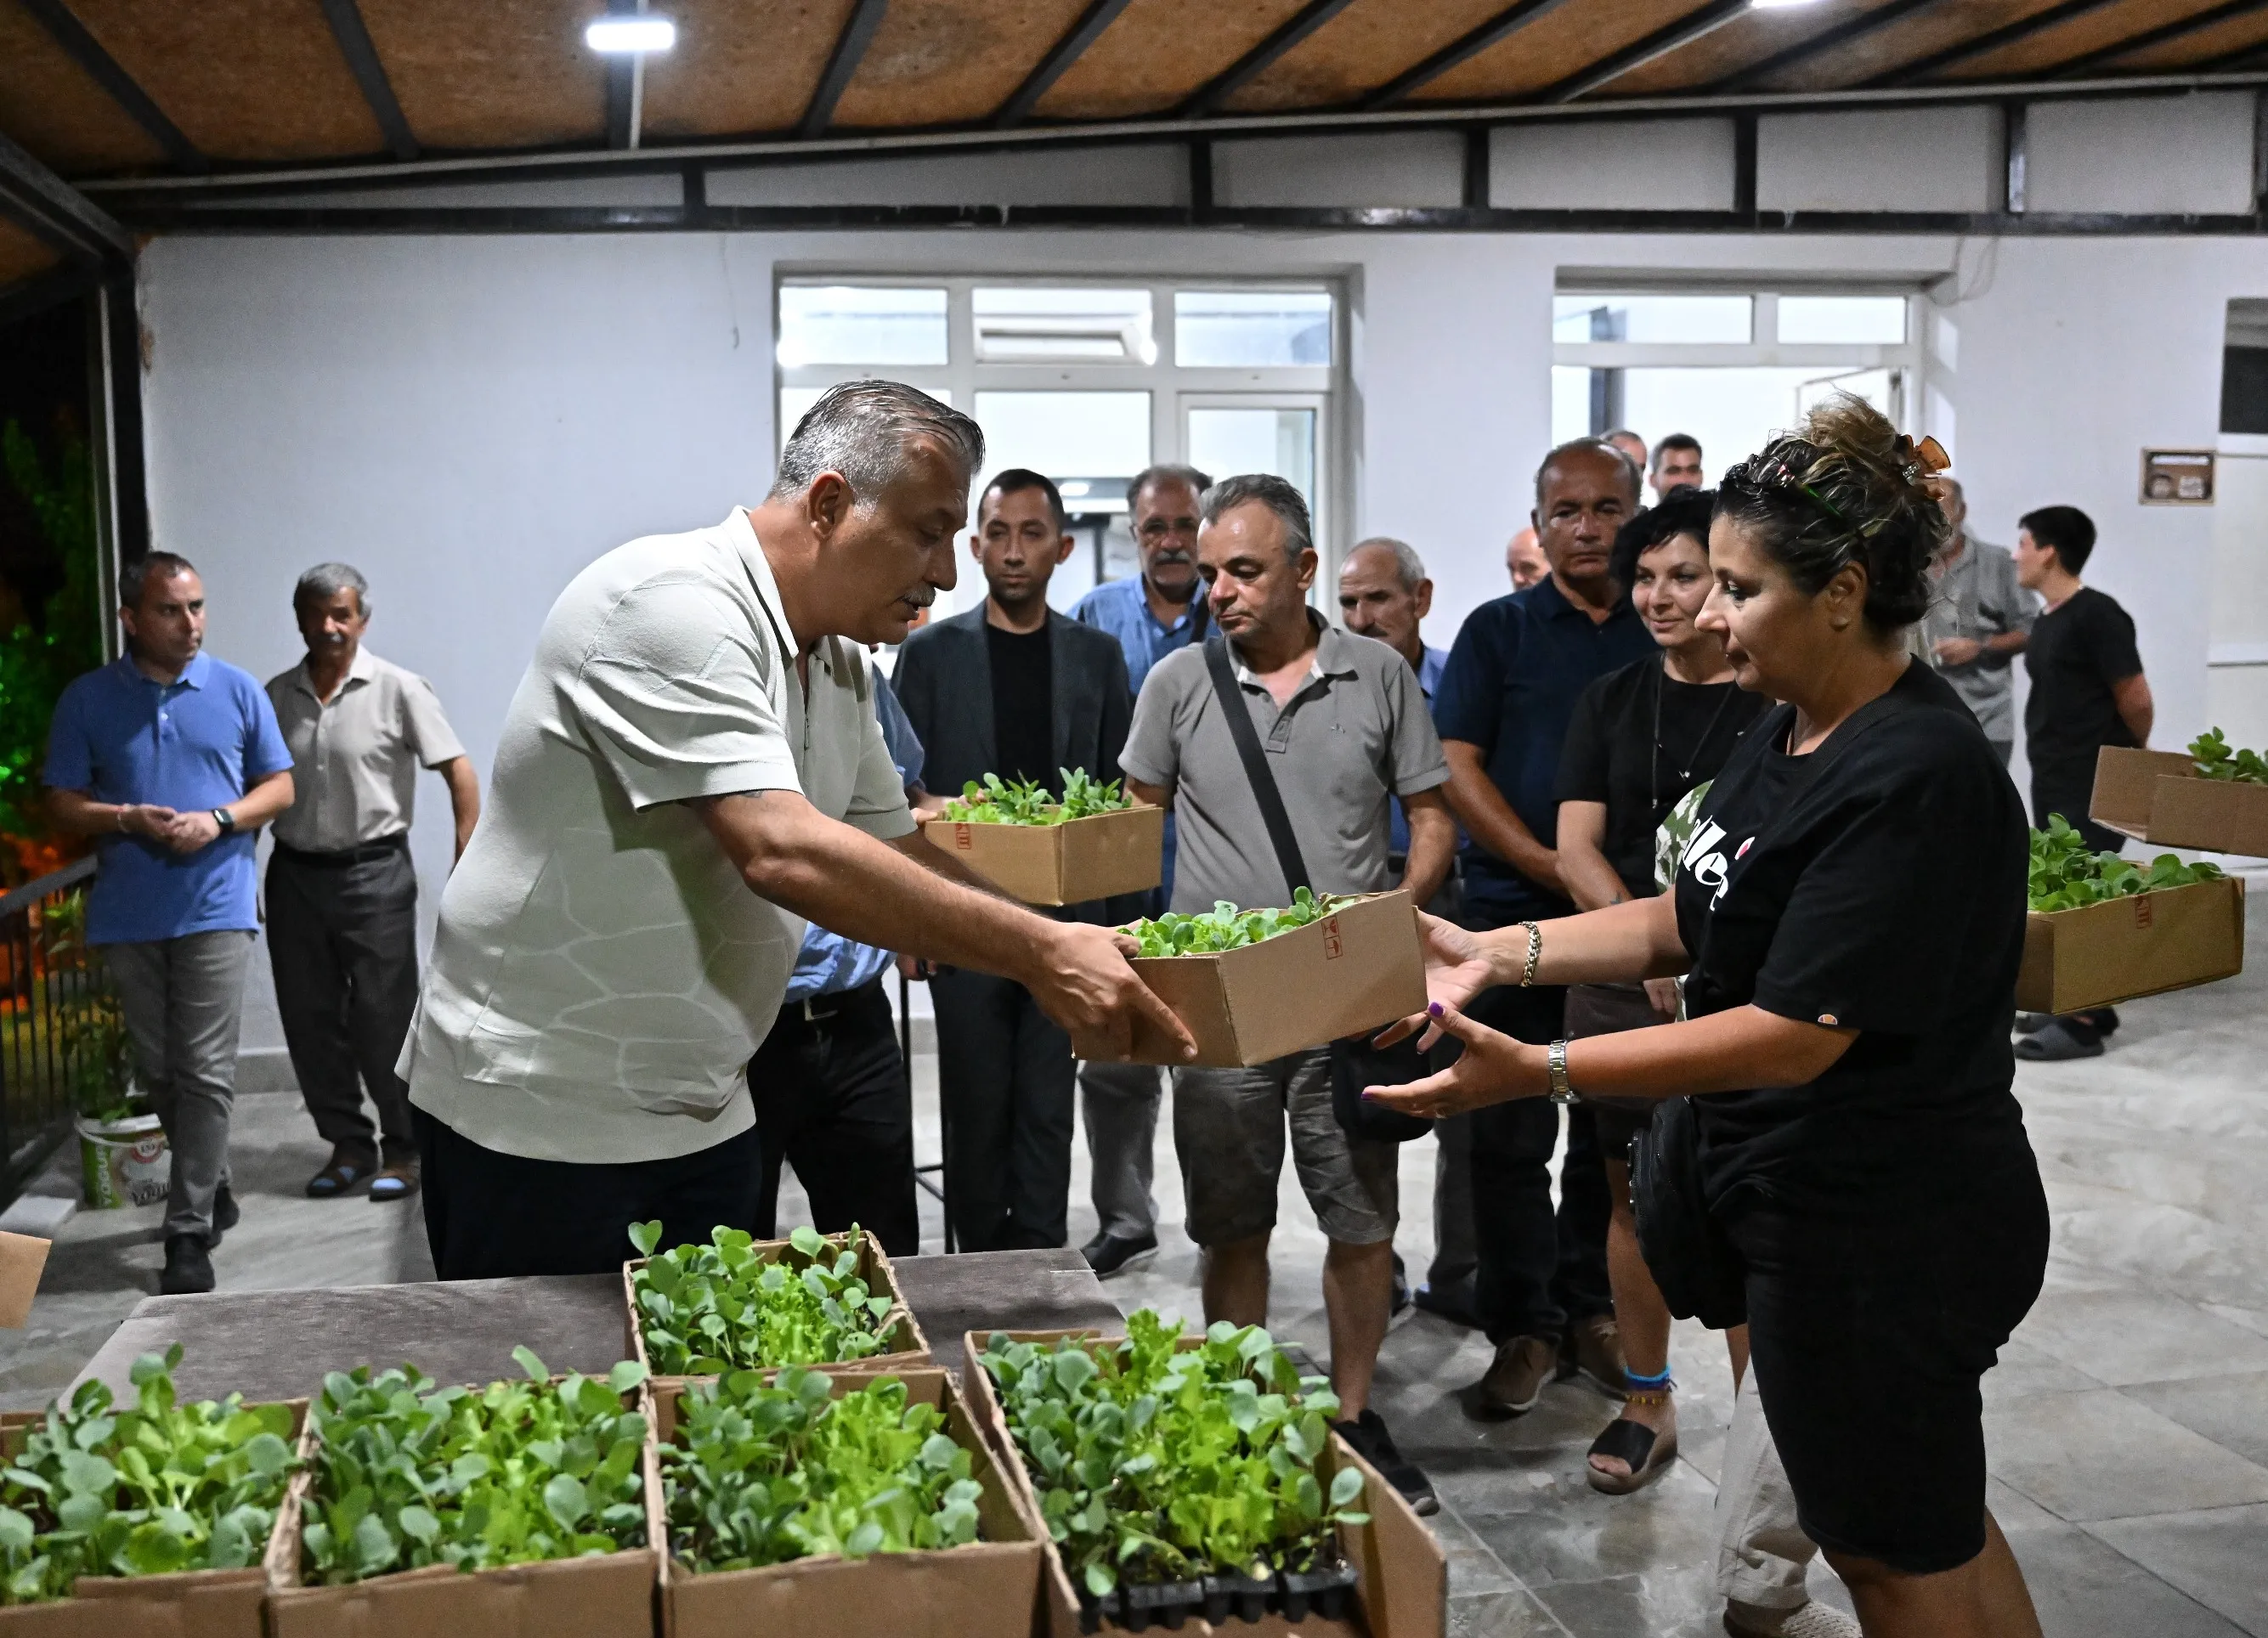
{"x":1239,"y":717}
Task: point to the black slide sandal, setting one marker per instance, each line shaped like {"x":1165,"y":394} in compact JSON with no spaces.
{"x":1647,"y":1452}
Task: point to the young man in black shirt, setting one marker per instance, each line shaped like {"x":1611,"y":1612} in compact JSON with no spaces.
{"x":2088,"y":692}
{"x":1014,"y":688}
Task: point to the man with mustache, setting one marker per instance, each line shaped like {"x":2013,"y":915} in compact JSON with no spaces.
{"x":692,"y":767}
{"x":342,"y":891}
{"x":1012,"y":688}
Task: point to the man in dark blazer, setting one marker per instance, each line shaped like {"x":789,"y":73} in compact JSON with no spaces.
{"x":1012,"y":688}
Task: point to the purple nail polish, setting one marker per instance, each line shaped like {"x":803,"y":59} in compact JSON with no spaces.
{"x":1434,"y":1008}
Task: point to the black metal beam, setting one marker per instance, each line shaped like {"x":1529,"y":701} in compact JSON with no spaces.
{"x":1201,"y":206}
{"x":1100,"y":15}
{"x":1821,"y":43}
{"x":2180,"y":28}
{"x":1744,"y":166}
{"x":361,"y":53}
{"x":622,"y":101}
{"x":850,"y":50}
{"x":2260,"y":152}
{"x":1673,"y":36}
{"x":1479,"y":162}
{"x":58,"y":212}
{"x":86,"y":51}
{"x":2243,"y":57}
{"x":70,"y":281}
{"x":1249,"y":67}
{"x":121,"y":328}
{"x":1460,"y":50}
{"x":2016,"y":152}
{"x":1992,"y":40}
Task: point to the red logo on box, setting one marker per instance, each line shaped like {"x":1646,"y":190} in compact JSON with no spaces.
{"x":962,"y":838}
{"x":2143,"y":912}
{"x":1332,"y":947}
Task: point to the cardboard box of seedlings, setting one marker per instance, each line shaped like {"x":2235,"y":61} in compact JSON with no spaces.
{"x":904,"y":1348}
{"x":2141,"y":945}
{"x":1095,"y":858}
{"x":2159,"y":796}
{"x":194,"y":1603}
{"x":988,"y":1588}
{"x":1352,"y":971}
{"x":603,"y":1596}
{"x":1401,"y":1588}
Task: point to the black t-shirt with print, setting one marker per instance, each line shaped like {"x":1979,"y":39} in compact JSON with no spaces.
{"x":1638,"y":742}
{"x":1877,"y":885}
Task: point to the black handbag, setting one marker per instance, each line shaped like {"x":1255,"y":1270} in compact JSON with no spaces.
{"x":1693,"y":1261}
{"x":1355,"y":1063}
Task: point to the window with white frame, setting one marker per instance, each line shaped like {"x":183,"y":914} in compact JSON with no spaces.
{"x":1726,"y":369}
{"x":1090,"y":381}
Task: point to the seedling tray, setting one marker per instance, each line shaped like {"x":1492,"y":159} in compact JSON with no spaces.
{"x":1099,"y":856}
{"x":2124,"y":948}
{"x":2159,"y":796}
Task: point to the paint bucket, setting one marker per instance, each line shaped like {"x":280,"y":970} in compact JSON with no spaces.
{"x":124,"y":1162}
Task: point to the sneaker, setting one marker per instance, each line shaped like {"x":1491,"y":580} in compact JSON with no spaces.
{"x":1813,"y":1620}
{"x":188,"y":1266}
{"x":1114,"y":1253}
{"x":227,"y":1215}
{"x":1515,"y":1379}
{"x":2061,"y":1041}
{"x":1453,"y":1304}
{"x":1372,"y":1442}
{"x":1592,"y":1349}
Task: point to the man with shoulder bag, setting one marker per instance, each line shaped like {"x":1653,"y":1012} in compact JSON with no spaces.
{"x":1279,"y":745}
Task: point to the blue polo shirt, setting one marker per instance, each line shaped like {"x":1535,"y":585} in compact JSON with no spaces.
{"x":1510,"y":687}
{"x":1429,"y":684}
{"x":829,"y":964}
{"x":194,"y":744}
{"x":1121,"y":608}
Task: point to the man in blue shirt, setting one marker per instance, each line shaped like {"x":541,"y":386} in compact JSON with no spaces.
{"x":830,"y":1084}
{"x":171,"y":760}
{"x":1158,"y":611}
{"x":1506,"y":698}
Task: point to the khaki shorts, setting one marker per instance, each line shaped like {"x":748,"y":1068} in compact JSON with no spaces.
{"x":1228,"y":1134}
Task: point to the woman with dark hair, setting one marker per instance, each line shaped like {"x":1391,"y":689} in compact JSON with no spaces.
{"x":1641,"y":739}
{"x":1849,"y":917}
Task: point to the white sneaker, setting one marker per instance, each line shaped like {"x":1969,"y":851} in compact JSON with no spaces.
{"x":1814,"y":1620}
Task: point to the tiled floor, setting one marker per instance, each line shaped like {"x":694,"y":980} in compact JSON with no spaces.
{"x":2127,"y":1425}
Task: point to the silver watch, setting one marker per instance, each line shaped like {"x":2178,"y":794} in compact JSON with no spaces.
{"x":1555,"y":1063}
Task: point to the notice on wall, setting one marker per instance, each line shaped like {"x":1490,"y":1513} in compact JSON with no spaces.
{"x":2176,"y":477}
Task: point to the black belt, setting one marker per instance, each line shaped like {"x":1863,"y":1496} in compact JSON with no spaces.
{"x":385,"y":847}
{"x":826,"y":1007}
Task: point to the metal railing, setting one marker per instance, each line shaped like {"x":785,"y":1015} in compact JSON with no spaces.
{"x":62,"y":1036}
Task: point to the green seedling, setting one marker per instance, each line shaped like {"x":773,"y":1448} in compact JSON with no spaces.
{"x":1225,"y":926}
{"x":148,"y":1489}
{"x":2066,"y":874}
{"x":2216,"y":759}
{"x":704,"y":1310}
{"x":1027,"y":802}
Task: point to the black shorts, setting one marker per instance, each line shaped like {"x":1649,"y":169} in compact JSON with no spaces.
{"x":1868,"y":1339}
{"x":1609,"y":1010}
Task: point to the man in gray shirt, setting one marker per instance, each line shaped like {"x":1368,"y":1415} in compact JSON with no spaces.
{"x":1343,"y":726}
{"x":1977,"y":623}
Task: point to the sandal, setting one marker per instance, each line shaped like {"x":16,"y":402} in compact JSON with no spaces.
{"x":395,"y":1181}
{"x":342,"y":1174}
{"x":1645,"y":1451}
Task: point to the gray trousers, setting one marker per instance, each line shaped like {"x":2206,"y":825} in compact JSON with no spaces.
{"x":183,"y":1000}
{"x":1119,"y":1102}
{"x":343,"y":940}
{"x":1761,"y":1551}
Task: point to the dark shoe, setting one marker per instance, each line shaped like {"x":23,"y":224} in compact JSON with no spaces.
{"x":1453,"y":1304}
{"x":344,"y":1172}
{"x":188,"y":1266}
{"x":1112,"y":1254}
{"x":1372,"y":1442}
{"x":397,"y":1180}
{"x":1399,"y":1304}
{"x":1515,"y":1379}
{"x":1643,"y":1452}
{"x":2063,"y":1039}
{"x":1592,"y":1349}
{"x":2033,"y":1023}
{"x":227,"y":1215}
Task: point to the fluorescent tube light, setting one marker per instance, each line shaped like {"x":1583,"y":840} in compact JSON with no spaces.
{"x":626,"y":35}
{"x":1778,"y":5}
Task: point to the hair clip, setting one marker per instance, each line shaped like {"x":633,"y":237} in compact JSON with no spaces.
{"x":1925,"y":459}
{"x":1776,"y":473}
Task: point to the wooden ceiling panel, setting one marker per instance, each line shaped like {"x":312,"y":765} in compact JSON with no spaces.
{"x":1909,"y":40}
{"x":1361,"y":48}
{"x":53,"y":108}
{"x":2042,"y":51}
{"x":1158,"y":51}
{"x":740,"y":65}
{"x":23,"y":255}
{"x":2237,"y":35}
{"x":1552,"y":47}
{"x":951,"y":61}
{"x":244,"y":79}
{"x":497,"y":74}
{"x":1749,"y":38}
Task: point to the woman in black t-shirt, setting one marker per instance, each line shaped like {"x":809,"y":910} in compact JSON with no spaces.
{"x":1641,"y":739}
{"x":1850,"y":917}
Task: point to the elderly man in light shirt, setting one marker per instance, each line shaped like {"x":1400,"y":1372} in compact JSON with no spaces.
{"x":342,"y":891}
{"x":1979,"y":619}
{"x":690,"y":768}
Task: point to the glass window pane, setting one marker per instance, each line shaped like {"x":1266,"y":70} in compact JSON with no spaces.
{"x":1251,"y":329}
{"x":1877,"y":321}
{"x":860,"y":324}
{"x":795,"y":403}
{"x":1225,"y":442}
{"x":1022,"y":324}
{"x":1571,"y":403}
{"x":1690,"y":319}
{"x":1066,"y":435}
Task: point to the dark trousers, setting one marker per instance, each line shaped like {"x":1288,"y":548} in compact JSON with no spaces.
{"x":833,"y":1101}
{"x":1539,"y":1269}
{"x":1004,"y":1077}
{"x":492,"y":1216}
{"x":343,"y":941}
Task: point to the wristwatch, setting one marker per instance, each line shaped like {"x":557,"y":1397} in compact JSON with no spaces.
{"x":225,"y":819}
{"x":1555,"y":1063}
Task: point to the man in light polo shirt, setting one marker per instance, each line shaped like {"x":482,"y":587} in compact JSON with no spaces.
{"x":1343,"y":729}
{"x":342,"y":891}
{"x":690,"y":767}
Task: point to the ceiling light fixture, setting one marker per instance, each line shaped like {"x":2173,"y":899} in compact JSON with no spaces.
{"x":623,"y":35}
{"x":1778,"y":5}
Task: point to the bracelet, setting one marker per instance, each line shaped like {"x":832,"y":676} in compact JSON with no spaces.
{"x":1534,"y":953}
{"x":1555,"y":1064}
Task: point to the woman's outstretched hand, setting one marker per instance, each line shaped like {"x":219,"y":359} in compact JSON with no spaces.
{"x":1456,"y":970}
{"x":1493,"y":1069}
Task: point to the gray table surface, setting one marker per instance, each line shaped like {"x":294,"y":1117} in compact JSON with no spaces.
{"x":276,"y":1345}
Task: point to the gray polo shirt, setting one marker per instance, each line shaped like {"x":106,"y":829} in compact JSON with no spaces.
{"x":1979,"y":597}
{"x":1356,"y":733}
{"x":355,"y":757}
